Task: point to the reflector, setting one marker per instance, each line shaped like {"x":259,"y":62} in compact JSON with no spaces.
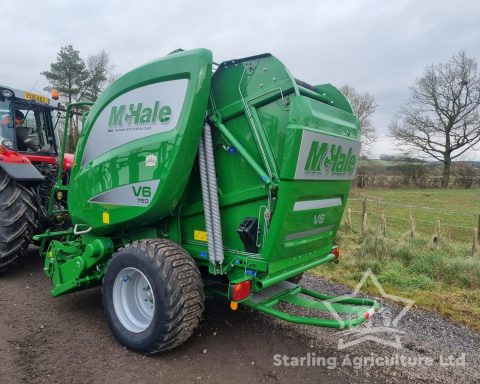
{"x":240,"y":291}
{"x":336,"y":251}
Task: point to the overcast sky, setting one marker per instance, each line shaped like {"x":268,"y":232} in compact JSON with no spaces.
{"x":379,"y":47}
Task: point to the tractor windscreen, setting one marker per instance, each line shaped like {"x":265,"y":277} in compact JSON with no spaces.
{"x":31,"y":130}
{"x":7,"y":134}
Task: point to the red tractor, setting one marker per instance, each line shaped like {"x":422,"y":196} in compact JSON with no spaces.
{"x":29,"y":149}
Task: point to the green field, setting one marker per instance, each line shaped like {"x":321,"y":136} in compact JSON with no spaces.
{"x":457,"y":210}
{"x":444,"y":276}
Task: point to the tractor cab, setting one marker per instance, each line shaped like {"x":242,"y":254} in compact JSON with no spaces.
{"x":28,"y":169}
{"x":28,"y":123}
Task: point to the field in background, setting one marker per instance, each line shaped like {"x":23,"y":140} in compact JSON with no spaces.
{"x":414,"y":173}
{"x":444,"y":276}
{"x":457,"y":209}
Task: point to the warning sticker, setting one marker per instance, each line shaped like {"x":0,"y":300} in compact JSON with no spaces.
{"x":200,"y":235}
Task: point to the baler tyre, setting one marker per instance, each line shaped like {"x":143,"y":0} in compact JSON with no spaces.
{"x":152,"y":295}
{"x":17,"y":221}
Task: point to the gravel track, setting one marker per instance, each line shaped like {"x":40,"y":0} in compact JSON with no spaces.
{"x":66,"y":340}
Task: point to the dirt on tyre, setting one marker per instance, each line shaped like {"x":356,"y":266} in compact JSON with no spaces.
{"x":152,"y":295}
{"x":17,"y":221}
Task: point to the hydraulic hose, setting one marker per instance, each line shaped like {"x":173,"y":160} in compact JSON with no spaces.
{"x":213,"y":192}
{"x":206,"y":201}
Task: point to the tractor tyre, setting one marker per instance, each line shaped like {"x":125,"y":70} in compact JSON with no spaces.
{"x":17,"y":220}
{"x":152,"y":295}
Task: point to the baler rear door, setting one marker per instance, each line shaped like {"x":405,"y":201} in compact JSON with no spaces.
{"x":321,"y":151}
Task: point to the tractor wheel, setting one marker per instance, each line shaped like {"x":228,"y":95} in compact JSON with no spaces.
{"x":17,"y":220}
{"x":152,"y":295}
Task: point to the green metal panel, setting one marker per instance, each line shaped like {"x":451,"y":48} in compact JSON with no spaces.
{"x":143,"y":178}
{"x":260,"y":108}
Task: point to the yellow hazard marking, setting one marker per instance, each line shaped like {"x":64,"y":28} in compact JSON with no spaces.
{"x":200,"y":235}
{"x":105,"y":218}
{"x":34,"y":96}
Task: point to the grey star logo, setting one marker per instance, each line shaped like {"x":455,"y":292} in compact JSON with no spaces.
{"x":369,"y":332}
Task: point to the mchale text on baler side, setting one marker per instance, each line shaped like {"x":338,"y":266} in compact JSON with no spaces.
{"x":188,"y":183}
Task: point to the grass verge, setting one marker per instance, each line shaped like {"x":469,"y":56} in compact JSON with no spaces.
{"x":444,"y":277}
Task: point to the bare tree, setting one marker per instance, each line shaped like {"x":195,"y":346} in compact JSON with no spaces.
{"x":441,"y":117}
{"x":364,"y":106}
{"x":100,"y":70}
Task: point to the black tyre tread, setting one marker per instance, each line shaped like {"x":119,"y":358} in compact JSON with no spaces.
{"x":17,"y":221}
{"x":185,"y":290}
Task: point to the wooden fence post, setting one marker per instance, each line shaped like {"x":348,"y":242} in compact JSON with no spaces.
{"x":364,"y":217}
{"x":436,"y":234}
{"x":383,"y":224}
{"x":413,"y":232}
{"x":475,"y":239}
{"x":478,"y":227}
{"x":349,"y":220}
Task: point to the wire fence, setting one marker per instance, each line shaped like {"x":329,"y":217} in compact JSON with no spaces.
{"x":413,"y":180}
{"x":395,"y":216}
{"x":384,"y":203}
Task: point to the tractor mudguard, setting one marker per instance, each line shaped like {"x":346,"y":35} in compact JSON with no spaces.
{"x":22,"y":171}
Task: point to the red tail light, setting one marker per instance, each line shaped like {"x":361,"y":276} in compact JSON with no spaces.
{"x":336,"y":251}
{"x":240,"y":291}
{"x":369,"y":313}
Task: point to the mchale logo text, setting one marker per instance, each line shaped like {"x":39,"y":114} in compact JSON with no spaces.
{"x":138,"y":114}
{"x":338,"y":161}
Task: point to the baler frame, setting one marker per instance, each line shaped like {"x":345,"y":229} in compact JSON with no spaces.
{"x":270,"y":291}
{"x":83,"y":255}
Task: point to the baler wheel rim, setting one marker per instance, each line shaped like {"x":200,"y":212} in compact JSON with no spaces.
{"x":133,"y":300}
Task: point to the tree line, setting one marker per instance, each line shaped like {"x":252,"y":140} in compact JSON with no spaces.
{"x":441,"y":118}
